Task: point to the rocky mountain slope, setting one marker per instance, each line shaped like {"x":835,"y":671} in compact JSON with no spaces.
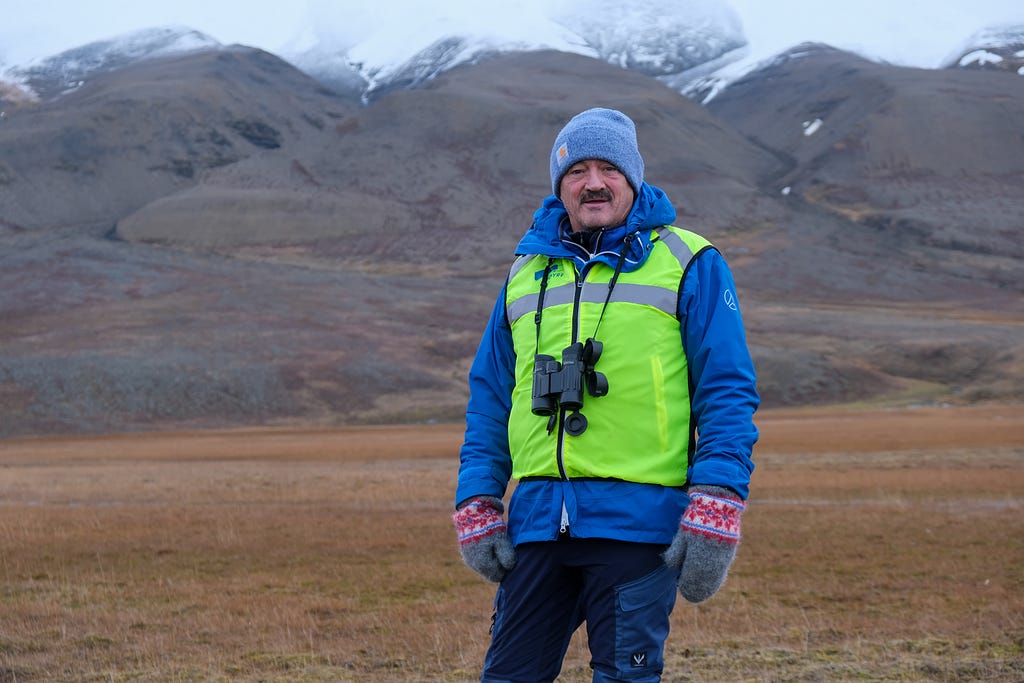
{"x":925,"y":163}
{"x":213,"y":238}
{"x":137,"y":133}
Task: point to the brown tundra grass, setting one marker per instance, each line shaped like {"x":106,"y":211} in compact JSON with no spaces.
{"x":878,"y":546}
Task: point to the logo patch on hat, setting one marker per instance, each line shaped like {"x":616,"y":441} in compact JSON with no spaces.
{"x":563,"y":152}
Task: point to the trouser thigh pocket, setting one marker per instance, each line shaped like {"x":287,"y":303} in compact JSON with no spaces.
{"x":642,"y":615}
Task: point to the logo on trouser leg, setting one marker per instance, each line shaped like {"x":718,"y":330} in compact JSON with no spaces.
{"x":638,"y":660}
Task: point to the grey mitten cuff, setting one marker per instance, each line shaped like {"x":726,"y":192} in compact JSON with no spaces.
{"x":483,"y":538}
{"x":705,"y":544}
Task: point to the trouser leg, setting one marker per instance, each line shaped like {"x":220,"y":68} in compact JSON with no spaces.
{"x":628,"y":596}
{"x":536,"y":612}
{"x":623,"y":590}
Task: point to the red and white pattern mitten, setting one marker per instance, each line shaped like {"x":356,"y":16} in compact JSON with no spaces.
{"x":714,"y":516}
{"x":483,"y":537}
{"x":705,"y":544}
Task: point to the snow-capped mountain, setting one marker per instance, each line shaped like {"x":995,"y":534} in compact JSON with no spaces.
{"x":660,"y":39}
{"x":996,"y":48}
{"x":66,"y":71}
{"x":696,"y":47}
{"x":666,"y":39}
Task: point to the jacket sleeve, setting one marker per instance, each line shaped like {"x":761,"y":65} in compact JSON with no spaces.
{"x":485,"y":466}
{"x":723,"y":388}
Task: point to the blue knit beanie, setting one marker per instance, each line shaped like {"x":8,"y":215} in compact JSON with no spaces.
{"x":598,"y":134}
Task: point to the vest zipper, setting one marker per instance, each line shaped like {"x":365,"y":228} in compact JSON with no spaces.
{"x":577,"y":295}
{"x":581,"y":276}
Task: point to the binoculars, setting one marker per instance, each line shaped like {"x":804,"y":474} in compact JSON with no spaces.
{"x":561,"y":384}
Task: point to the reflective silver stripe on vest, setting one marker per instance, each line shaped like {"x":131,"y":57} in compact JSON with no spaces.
{"x":664,"y":300}
{"x":594,"y":293}
{"x":680,"y":249}
{"x":555,"y":296}
{"x":520,"y":307}
{"x":518,"y":264}
{"x":648,"y":295}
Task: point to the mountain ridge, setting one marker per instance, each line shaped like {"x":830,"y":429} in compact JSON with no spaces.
{"x":239,"y":245}
{"x":696,"y":52}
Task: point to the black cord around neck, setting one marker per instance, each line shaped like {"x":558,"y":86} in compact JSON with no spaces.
{"x":626,"y":242}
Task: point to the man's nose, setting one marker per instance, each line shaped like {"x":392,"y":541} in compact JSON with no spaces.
{"x":594,"y":180}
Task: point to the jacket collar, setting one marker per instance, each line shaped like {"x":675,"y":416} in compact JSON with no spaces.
{"x":651,"y":209}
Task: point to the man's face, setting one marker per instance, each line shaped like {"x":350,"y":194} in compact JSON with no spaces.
{"x":596,"y":195}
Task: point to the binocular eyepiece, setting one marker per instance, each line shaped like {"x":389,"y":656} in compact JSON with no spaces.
{"x":561,"y":384}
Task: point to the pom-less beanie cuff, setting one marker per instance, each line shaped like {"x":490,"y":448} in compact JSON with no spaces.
{"x":598,"y":134}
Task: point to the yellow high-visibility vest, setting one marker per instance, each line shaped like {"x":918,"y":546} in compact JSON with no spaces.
{"x":639,"y":431}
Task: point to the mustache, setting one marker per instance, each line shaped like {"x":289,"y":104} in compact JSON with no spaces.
{"x":590,"y":195}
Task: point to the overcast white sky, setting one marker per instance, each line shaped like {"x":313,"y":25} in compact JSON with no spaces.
{"x":906,"y":32}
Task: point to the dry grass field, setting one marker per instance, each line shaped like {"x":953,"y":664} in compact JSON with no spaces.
{"x":883,"y":545}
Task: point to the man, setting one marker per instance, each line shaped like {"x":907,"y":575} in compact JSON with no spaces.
{"x":616,"y":339}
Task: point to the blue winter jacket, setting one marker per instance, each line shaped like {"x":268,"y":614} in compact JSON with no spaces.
{"x":723,"y":397}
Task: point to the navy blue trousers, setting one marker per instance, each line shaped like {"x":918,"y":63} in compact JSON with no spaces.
{"x":623,"y":591}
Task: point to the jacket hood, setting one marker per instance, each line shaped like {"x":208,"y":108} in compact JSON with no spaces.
{"x":651,"y":209}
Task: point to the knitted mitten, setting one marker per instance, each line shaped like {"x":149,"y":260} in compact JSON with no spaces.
{"x":705,"y":545}
{"x":483,"y":538}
